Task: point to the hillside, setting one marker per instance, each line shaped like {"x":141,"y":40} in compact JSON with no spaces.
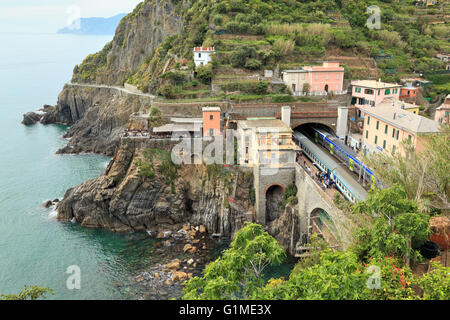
{"x":94,"y":26}
{"x":152,"y":46}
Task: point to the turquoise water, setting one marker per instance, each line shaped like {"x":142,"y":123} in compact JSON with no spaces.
{"x":34,"y":248}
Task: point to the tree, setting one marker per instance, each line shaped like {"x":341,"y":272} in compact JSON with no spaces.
{"x":28,"y":293}
{"x":205,"y":73}
{"x":425,"y":175}
{"x":238,"y":273}
{"x":435,"y":285}
{"x":386,"y":202}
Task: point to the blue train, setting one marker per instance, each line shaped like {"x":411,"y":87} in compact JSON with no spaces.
{"x":346,"y":184}
{"x":345,"y":154}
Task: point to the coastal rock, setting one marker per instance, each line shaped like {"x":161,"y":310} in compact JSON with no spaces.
{"x":31,"y":118}
{"x":122,"y":201}
{"x":47,"y":204}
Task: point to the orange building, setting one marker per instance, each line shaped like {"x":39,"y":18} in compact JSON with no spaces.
{"x":211,"y":122}
{"x":408,"y":92}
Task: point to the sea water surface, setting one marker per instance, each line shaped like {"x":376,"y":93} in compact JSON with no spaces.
{"x":35,"y":249}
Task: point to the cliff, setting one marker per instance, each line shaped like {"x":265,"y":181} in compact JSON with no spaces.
{"x":122,"y":199}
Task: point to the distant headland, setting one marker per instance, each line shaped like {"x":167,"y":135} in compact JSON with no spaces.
{"x":93,"y":26}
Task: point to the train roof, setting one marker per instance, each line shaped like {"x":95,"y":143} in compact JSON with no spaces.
{"x":351,"y":184}
{"x":344,"y":147}
{"x":320,"y":154}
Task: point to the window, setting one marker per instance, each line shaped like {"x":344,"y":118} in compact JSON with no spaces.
{"x":386,"y":129}
{"x":409,"y":137}
{"x":379,"y":92}
{"x":368,"y":120}
{"x":393,"y":149}
{"x":367,"y":134}
{"x":376,"y":139}
{"x":384,"y":144}
{"x":211,"y":117}
{"x":199,"y":55}
{"x":368,"y":91}
{"x":211,"y":132}
{"x":397,"y":133}
{"x":378,"y":124}
{"x":393,"y":133}
{"x":387,"y":91}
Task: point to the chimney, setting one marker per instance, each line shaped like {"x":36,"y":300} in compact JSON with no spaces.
{"x":286,"y":115}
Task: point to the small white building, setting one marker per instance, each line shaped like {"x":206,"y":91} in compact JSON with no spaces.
{"x":203,"y":56}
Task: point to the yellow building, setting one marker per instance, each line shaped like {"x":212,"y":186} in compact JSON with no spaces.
{"x":266,"y":142}
{"x":386,"y":126}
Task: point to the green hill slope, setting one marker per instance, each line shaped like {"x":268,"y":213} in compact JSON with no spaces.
{"x":153,"y":45}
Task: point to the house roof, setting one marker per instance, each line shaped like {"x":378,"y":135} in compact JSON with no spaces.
{"x":397,"y":104}
{"x":175,"y":127}
{"x":402,"y":119}
{"x":264,"y":124}
{"x":374,"y":84}
{"x":211,"y":109}
{"x":204,"y":49}
{"x":186,"y":120}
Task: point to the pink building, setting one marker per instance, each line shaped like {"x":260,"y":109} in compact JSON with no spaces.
{"x":371,"y":92}
{"x":320,"y":80}
{"x":443,"y":112}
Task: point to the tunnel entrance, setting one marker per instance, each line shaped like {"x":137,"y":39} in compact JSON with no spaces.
{"x":322,"y":225}
{"x":274,"y":199}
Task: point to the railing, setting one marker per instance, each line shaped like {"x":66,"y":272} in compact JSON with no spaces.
{"x":318,"y":93}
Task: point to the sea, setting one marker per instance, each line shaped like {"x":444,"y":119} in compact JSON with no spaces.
{"x":35,"y":249}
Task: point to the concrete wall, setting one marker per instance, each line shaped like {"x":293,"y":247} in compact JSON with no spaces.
{"x":310,"y":198}
{"x":264,"y":178}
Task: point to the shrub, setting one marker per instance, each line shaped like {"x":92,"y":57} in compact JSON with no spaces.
{"x":205,"y":73}
{"x":253,"y":64}
{"x":240,"y":55}
{"x":167,"y":91}
{"x":283,"y":47}
{"x":261,"y":87}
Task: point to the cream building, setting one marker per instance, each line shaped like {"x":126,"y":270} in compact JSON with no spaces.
{"x":266,"y":142}
{"x":385,"y":127}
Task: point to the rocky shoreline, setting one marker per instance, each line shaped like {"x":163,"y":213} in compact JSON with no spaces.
{"x":184,"y":254}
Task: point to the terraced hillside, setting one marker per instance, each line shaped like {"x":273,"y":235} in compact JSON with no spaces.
{"x":152,"y":48}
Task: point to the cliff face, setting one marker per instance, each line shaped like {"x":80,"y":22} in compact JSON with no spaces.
{"x":96,"y":116}
{"x":121,"y":200}
{"x":137,"y":37}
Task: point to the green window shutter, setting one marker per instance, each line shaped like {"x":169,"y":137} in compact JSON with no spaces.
{"x":388,"y":91}
{"x":368,"y":120}
{"x":376,"y":139}
{"x":384,"y":144}
{"x":393,"y":132}
{"x":367,"y":134}
{"x":378,"y":124}
{"x":386,"y":129}
{"x":397,"y":133}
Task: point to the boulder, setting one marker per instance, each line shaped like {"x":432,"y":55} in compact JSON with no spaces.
{"x":179,"y":276}
{"x":187,"y":247}
{"x":31,"y":118}
{"x":48,"y":204}
{"x":174,"y":265}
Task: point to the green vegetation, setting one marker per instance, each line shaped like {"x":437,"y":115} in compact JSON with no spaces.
{"x":28,"y":293}
{"x":158,"y":160}
{"x":376,"y":266}
{"x":256,"y":34}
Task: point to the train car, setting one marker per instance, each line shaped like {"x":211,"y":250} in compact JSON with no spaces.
{"x":343,"y":153}
{"x":345,"y":183}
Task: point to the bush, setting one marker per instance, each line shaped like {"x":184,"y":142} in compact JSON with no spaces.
{"x":261,"y":87}
{"x":283,"y":47}
{"x":253,"y":64}
{"x":167,"y":91}
{"x":204,"y":73}
{"x":241,"y":54}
